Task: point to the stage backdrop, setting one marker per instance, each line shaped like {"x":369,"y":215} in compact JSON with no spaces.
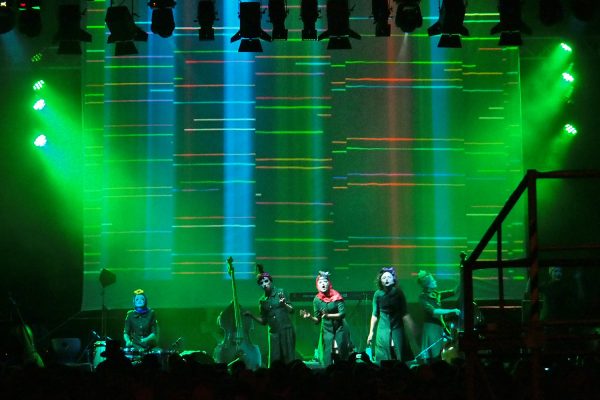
{"x":394,"y":153}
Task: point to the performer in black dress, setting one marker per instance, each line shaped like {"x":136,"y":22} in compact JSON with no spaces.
{"x":329,"y":310}
{"x":275,"y":311}
{"x":390,"y":314}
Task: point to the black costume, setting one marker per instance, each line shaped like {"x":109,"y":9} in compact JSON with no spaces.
{"x":433,"y":325}
{"x":282,"y":337}
{"x":332,"y":330}
{"x":389,"y":307}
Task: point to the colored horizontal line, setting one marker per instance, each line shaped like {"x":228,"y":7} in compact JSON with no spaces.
{"x":406,"y":184}
{"x":217,"y":129}
{"x":293,"y":240}
{"x":400,"y":87}
{"x":212,"y":217}
{"x":140,"y":101}
{"x":289,"y":132}
{"x":404,"y":149}
{"x":292,"y":203}
{"x":127,"y":84}
{"x":401,"y":80}
{"x":293,"y":98}
{"x":216,"y":155}
{"x":137,"y":66}
{"x":219,"y":61}
{"x":292,"y":167}
{"x":222,"y":119}
{"x":230,"y":181}
{"x":295,"y":159}
{"x":291,"y":221}
{"x":403,"y":139}
{"x":291,"y":258}
{"x":214,"y":226}
{"x":293,"y":107}
{"x":189,"y":85}
{"x":290,"y":73}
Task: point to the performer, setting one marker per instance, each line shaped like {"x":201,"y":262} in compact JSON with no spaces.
{"x":390,"y":314}
{"x":275,"y":311}
{"x":329,"y":310}
{"x":434,"y":327}
{"x":141,"y":327}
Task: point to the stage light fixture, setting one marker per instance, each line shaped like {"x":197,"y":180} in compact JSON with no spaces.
{"x":570,"y":129}
{"x":69,"y":34}
{"x":550,"y":11}
{"x":408,"y":15}
{"x":381,"y":11}
{"x":39,"y":104}
{"x":450,"y":24}
{"x":40,"y":140}
{"x":309,"y":13}
{"x":7,"y":16}
{"x":38,"y":85}
{"x":123,"y":30}
{"x":338,"y":26}
{"x":278,"y":12}
{"x":29,"y":21}
{"x":250,"y":30}
{"x":206,"y":18}
{"x":511,"y":25}
{"x":163,"y":22}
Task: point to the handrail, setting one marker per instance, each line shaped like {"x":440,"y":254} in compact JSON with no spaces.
{"x":527,"y":185}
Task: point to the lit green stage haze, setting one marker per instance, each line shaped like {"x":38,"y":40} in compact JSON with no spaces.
{"x":392,"y":153}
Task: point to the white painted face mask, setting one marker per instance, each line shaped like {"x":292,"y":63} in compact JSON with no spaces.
{"x":323,"y":285}
{"x":387,"y":279}
{"x":265,"y":283}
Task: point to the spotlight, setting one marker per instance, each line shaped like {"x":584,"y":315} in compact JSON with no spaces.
{"x":551,"y":12}
{"x":250,"y":30}
{"x":408,"y":15}
{"x":338,"y":25}
{"x":450,"y":24}
{"x":206,"y":19}
{"x":69,"y":33}
{"x":30,"y":18}
{"x":309,"y":13}
{"x":570,"y":129}
{"x":278,"y":12}
{"x":123,"y":30}
{"x":510,"y":26}
{"x":7,"y":16}
{"x":163,"y":23}
{"x":381,"y":11}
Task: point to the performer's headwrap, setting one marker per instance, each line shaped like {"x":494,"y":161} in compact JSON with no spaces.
{"x":387,"y":277}
{"x":262,"y":277}
{"x":330,"y":294}
{"x":424,"y":279}
{"x":140,"y":301}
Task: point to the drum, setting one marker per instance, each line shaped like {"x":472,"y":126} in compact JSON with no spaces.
{"x":134,"y":354}
{"x":98,"y":348}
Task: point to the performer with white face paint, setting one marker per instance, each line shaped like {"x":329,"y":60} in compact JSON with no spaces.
{"x":390,"y":313}
{"x":434,"y":326}
{"x":275,"y":311}
{"x":141,"y":327}
{"x":330,"y":312}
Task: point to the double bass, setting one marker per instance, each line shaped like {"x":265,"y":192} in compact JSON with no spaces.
{"x":236,"y":344}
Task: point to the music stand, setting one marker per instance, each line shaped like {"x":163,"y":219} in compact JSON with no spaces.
{"x":106,"y":278}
